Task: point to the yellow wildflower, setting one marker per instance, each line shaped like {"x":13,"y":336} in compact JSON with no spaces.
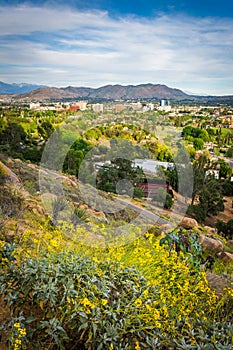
{"x":138,"y":302}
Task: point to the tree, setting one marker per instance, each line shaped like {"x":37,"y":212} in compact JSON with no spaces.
{"x":198,"y":144}
{"x":226,"y":229}
{"x":138,"y":192}
{"x":172,"y":177}
{"x":225,"y":170}
{"x":229,"y":152}
{"x":200,"y":167}
{"x":72,"y":161}
{"x":211,"y":199}
{"x":45,"y":129}
{"x":14,"y":135}
{"x":119,"y":176}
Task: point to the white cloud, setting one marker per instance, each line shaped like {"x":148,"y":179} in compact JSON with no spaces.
{"x":63,"y":47}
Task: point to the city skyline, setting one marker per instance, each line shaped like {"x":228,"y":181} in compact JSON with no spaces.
{"x":180,"y":44}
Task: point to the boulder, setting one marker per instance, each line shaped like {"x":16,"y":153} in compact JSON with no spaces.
{"x":210,"y":229}
{"x":216,"y":282}
{"x":83,"y":206}
{"x":99,"y":216}
{"x":211,"y":244}
{"x":227,"y":257}
{"x":188,"y":223}
{"x":9,"y":175}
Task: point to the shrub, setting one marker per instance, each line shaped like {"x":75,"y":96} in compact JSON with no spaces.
{"x":67,"y":302}
{"x":3,"y":173}
{"x":138,"y":192}
{"x":168,"y":202}
{"x":226,"y":229}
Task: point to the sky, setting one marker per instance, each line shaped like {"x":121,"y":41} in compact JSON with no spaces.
{"x":182,"y":44}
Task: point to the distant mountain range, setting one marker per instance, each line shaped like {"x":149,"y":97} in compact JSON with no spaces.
{"x":108,"y":92}
{"x":17,"y":88}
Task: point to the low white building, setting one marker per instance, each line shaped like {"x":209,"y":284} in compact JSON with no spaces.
{"x":150,"y":165}
{"x":98,"y":107}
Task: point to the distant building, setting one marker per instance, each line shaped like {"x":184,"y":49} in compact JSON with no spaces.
{"x":118,"y":107}
{"x":151,"y":189}
{"x":150,"y":165}
{"x":34,"y":105}
{"x":164,"y":106}
{"x":164,"y":103}
{"x":98,"y":107}
{"x":82,"y":105}
{"x":136,"y":106}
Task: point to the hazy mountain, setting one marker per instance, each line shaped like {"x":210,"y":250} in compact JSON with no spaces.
{"x":108,"y":92}
{"x":17,"y":88}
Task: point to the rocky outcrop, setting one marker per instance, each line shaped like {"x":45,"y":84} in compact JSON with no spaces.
{"x":211,"y":244}
{"x":225,"y":256}
{"x":188,"y":223}
{"x":8,"y":173}
{"x":216,"y":282}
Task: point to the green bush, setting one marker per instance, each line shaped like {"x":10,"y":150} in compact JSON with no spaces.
{"x":225,"y":229}
{"x":67,"y":302}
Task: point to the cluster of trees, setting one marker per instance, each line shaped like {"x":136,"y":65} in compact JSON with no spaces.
{"x":207,"y":193}
{"x":24,"y":137}
{"x":199,"y":135}
{"x":120,"y":177}
{"x":196,"y":135}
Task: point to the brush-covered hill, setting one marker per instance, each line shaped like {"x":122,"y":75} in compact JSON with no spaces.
{"x":108,"y":92}
{"x":148,"y":91}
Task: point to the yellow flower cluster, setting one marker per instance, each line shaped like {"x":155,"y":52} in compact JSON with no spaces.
{"x":179,"y":294}
{"x":87,"y":303}
{"x":19,"y":334}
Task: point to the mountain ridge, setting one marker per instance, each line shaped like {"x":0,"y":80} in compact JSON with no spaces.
{"x":17,"y":88}
{"x":115,"y":92}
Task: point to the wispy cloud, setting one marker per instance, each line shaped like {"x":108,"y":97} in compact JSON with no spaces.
{"x":60,"y":46}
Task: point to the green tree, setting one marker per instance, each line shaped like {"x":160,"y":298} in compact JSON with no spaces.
{"x":211,"y":199}
{"x":45,"y":129}
{"x":13,"y":135}
{"x":229,"y":152}
{"x":119,"y":171}
{"x":72,"y":161}
{"x":172,"y":177}
{"x":200,"y":167}
{"x":198,"y":144}
{"x":225,"y":170}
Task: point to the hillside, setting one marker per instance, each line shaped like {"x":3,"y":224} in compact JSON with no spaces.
{"x":60,"y":277}
{"x":148,"y":91}
{"x":108,"y":92}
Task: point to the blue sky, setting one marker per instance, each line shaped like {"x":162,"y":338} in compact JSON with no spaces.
{"x":183,"y":44}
